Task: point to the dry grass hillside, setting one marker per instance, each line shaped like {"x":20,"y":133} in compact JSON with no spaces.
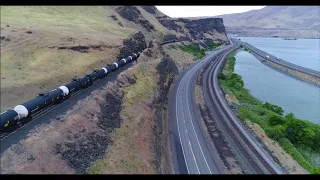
{"x":44,"y":47}
{"x":34,"y":59}
{"x":285,"y":21}
{"x":120,"y":128}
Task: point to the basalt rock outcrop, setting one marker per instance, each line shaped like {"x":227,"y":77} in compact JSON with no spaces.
{"x":133,"y":14}
{"x":198,"y":29}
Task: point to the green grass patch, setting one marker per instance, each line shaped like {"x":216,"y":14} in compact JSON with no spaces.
{"x":194,"y":50}
{"x":288,"y":130}
{"x":311,"y":156}
{"x":292,"y":150}
{"x":198,"y":52}
{"x":213,"y":45}
{"x":97,"y":167}
{"x":143,"y":87}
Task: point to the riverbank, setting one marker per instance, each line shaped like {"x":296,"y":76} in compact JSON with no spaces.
{"x":314,"y":81}
{"x":309,"y":76}
{"x":286,"y":137}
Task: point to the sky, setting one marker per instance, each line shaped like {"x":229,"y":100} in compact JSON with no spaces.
{"x":195,"y":11}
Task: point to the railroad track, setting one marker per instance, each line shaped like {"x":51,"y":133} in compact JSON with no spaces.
{"x":40,"y":114}
{"x":44,"y":112}
{"x":257,"y":163}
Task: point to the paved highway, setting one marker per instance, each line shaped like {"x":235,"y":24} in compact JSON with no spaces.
{"x":280,"y":61}
{"x":192,"y":148}
{"x":195,"y":153}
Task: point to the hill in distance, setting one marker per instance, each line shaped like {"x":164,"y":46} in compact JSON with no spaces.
{"x":281,"y":21}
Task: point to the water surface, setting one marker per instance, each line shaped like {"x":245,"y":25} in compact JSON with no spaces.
{"x":269,"y":85}
{"x":302,"y":52}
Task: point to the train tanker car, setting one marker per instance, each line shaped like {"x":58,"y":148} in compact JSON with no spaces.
{"x":25,"y":111}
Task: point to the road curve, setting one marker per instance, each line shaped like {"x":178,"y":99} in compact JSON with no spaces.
{"x":250,"y":153}
{"x":192,"y":149}
{"x":194,"y":152}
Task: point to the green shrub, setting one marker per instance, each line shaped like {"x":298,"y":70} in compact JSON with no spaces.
{"x":275,"y":132}
{"x":238,"y":85}
{"x":221,"y":76}
{"x":213,"y":45}
{"x":260,"y":110}
{"x":288,"y":130}
{"x":194,"y":50}
{"x":276,"y":120}
{"x":274,"y":108}
{"x":289,"y":147}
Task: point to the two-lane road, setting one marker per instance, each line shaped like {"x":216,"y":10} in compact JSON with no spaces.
{"x":197,"y":151}
{"x":192,"y":149}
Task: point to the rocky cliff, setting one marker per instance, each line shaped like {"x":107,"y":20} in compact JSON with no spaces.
{"x":198,"y":30}
{"x":82,"y":37}
{"x":154,"y":22}
{"x":120,"y":128}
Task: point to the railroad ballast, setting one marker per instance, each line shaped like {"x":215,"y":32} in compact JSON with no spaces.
{"x":24,"y":112}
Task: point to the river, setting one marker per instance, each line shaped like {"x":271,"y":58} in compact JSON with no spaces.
{"x":269,"y":85}
{"x":302,"y":52}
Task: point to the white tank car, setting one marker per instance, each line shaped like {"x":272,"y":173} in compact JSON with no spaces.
{"x":65,"y":90}
{"x":105,"y":70}
{"x":116,"y":64}
{"x":21,"y":110}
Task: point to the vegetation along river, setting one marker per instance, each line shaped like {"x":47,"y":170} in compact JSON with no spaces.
{"x":269,"y":85}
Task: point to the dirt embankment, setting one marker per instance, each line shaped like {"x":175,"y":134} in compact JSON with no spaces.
{"x":121,"y":128}
{"x":79,"y":138}
{"x":45,"y":47}
{"x":226,"y":154}
{"x":291,"y":72}
{"x":167,"y":70}
{"x":91,"y":130}
{"x":74,"y":141}
{"x":297,"y":74}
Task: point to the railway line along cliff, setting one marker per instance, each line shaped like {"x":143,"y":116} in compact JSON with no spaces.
{"x":120,"y":128}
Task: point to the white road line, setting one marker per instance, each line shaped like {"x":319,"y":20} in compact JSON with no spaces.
{"x":195,"y":161}
{"x":195,"y":131}
{"x":194,"y":158}
{"x":186,"y":129}
{"x":179,"y":130}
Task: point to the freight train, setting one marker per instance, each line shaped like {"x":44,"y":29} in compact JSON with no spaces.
{"x":23,"y":112}
{"x":170,"y":41}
